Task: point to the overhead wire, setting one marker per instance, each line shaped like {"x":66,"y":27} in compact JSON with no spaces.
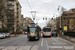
{"x":29,"y":4}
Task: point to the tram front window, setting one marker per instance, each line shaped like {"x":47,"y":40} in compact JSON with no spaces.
{"x":32,"y":30}
{"x":47,"y":30}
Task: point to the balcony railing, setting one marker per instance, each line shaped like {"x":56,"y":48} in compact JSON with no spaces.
{"x":10,"y":12}
{"x":10,"y":18}
{"x":10,"y":8}
{"x":10,"y":4}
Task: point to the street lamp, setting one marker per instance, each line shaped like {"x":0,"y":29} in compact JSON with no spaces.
{"x":33,"y":14}
{"x":55,"y":20}
{"x":62,"y":9}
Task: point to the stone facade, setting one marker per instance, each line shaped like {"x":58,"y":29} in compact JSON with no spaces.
{"x":23,"y":23}
{"x":52,"y":23}
{"x":68,"y":19}
{"x":28,"y":21}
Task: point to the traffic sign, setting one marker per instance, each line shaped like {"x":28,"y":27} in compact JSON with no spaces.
{"x":65,"y":28}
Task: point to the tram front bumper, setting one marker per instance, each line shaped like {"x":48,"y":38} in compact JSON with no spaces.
{"x":32,"y":37}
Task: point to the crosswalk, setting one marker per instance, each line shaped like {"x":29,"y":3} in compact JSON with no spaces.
{"x":18,"y":48}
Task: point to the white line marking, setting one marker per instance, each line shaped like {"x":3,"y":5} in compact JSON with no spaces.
{"x":55,"y":40}
{"x":42,"y":42}
{"x":8,"y":41}
{"x":62,"y":47}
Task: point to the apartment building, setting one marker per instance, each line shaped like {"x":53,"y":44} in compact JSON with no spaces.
{"x":68,"y":19}
{"x":12,"y":16}
{"x":28,"y":21}
{"x":58,"y":25}
{"x":52,"y":23}
{"x":23,"y":23}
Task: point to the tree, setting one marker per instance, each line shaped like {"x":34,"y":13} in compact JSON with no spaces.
{"x":6,"y":29}
{"x":1,"y":30}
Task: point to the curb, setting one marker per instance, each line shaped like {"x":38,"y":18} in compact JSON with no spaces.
{"x":13,"y":35}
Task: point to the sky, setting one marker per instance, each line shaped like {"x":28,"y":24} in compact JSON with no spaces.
{"x":45,"y":9}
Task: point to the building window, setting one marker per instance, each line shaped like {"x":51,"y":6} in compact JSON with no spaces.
{"x":72,"y":9}
{"x":68,"y":26}
{"x":67,"y":22}
{"x":71,"y":25}
{"x":10,"y":7}
{"x":10,"y":2}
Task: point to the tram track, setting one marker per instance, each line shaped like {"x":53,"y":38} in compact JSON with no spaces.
{"x":20,"y":44}
{"x":33,"y":45}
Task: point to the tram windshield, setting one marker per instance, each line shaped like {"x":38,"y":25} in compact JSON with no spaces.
{"x":32,"y":30}
{"x":47,"y":29}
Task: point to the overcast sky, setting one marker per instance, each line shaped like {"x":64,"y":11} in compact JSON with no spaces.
{"x":45,"y":8}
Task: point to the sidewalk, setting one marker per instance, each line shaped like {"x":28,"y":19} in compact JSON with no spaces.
{"x":72,"y":39}
{"x":13,"y":35}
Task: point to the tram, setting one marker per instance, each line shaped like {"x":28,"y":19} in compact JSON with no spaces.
{"x":34,"y":31}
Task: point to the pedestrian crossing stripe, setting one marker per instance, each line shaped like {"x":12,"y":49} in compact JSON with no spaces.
{"x":18,"y":48}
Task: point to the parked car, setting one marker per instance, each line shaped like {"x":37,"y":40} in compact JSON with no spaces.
{"x":25,"y":33}
{"x":7,"y":34}
{"x":54,"y":33}
{"x":2,"y":35}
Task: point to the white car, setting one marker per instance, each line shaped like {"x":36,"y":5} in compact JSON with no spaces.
{"x":7,"y":34}
{"x":2,"y":35}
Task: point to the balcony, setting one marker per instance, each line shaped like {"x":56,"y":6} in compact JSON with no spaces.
{"x":10,"y":8}
{"x":10,"y":18}
{"x":10,"y":23}
{"x":10,"y":14}
{"x":10,"y":3}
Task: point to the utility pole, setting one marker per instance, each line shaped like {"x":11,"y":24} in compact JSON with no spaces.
{"x":62,"y":9}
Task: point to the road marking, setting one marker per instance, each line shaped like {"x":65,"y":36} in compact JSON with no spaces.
{"x":24,"y":48}
{"x":64,"y":47}
{"x":18,"y":48}
{"x":10,"y":48}
{"x":8,"y":41}
{"x":59,"y":43}
{"x":55,"y":39}
{"x":42,"y":42}
{"x":1,"y":47}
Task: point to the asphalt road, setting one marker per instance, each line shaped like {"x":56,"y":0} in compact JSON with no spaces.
{"x":22,"y":43}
